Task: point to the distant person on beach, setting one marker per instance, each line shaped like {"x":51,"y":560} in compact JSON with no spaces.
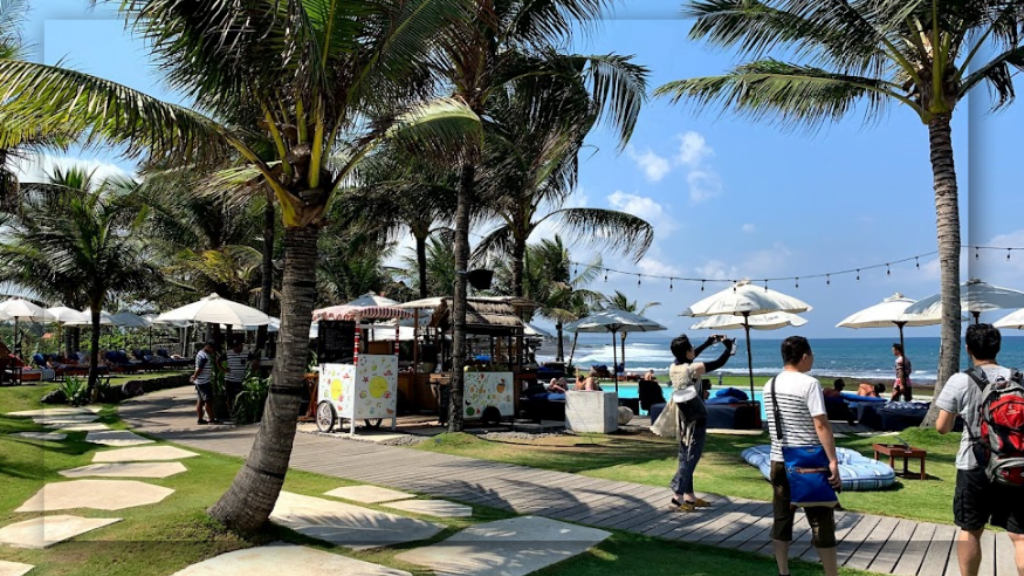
{"x":800,"y":420}
{"x":977,"y":501}
{"x":556,"y":386}
{"x":871,"y":391}
{"x":838,"y":385}
{"x":588,"y":383}
{"x":903,"y":370}
{"x":688,"y":420}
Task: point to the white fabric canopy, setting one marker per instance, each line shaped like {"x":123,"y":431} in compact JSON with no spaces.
{"x":744,"y":298}
{"x":370,"y":299}
{"x":1014,"y":320}
{"x":63,"y":314}
{"x":105,"y":319}
{"x":129,"y":320}
{"x":273,"y":326}
{"x":531,"y":330}
{"x":22,"y":309}
{"x":217,"y":310}
{"x":760,"y":322}
{"x":975,"y":297}
{"x":613,"y":320}
{"x":888,"y":313}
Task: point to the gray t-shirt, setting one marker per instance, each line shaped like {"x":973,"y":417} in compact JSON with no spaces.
{"x":962,"y":395}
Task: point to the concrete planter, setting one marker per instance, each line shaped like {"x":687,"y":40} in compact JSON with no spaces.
{"x":592,"y":412}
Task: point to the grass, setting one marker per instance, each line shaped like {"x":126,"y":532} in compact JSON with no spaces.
{"x":647,"y":459}
{"x":163,"y":538}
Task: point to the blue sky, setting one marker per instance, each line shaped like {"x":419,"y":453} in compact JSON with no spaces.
{"x":729,"y":198}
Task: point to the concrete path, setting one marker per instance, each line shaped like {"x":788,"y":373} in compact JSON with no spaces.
{"x":873,"y":543}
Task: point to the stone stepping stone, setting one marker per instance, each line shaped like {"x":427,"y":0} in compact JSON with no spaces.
{"x":512,"y":547}
{"x":439,"y":508}
{"x":91,"y":427}
{"x":117,"y":438}
{"x":143,"y":454}
{"x":97,"y":494}
{"x":346,"y":525}
{"x":127,"y":470}
{"x":68,"y":420}
{"x":368,"y":494}
{"x":49,"y":412}
{"x":46,"y":531}
{"x":51,"y":436}
{"x":14,"y":568}
{"x":296,"y":560}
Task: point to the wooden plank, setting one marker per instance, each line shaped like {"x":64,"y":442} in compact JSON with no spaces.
{"x":890,"y":553}
{"x":845,"y":523}
{"x":937,"y":555}
{"x":692,"y":521}
{"x":1004,"y":556}
{"x":729,"y":524}
{"x":912,"y":557}
{"x":953,"y":562}
{"x":856,"y":538}
{"x":760,"y":527}
{"x":873,"y":543}
{"x":600,"y":508}
{"x":739,"y":523}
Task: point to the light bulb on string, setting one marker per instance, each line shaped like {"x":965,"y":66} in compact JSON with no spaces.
{"x":1008,"y":250}
{"x":701,"y":285}
{"x":765,"y":285}
{"x":828,"y":279}
{"x":917,"y":263}
{"x":888,"y":272}
{"x":670,"y":281}
{"x":797,"y":281}
{"x":637,"y":279}
{"x":576,"y":270}
{"x":977,"y":253}
{"x":858,"y":274}
{"x":605,"y":275}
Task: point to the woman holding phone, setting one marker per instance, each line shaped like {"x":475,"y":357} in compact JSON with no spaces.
{"x":685,"y":415}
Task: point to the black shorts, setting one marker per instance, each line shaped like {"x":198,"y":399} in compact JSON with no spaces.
{"x":821,"y":518}
{"x":204,"y":391}
{"x":232,"y":389}
{"x":978,"y":502}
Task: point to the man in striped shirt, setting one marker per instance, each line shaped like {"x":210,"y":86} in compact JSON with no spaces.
{"x":237,"y":359}
{"x":804,"y":422}
{"x":203,"y":379}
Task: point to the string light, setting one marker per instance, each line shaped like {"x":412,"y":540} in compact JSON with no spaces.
{"x":888,"y":272}
{"x":606,"y":276}
{"x":858,"y":275}
{"x":670,"y":280}
{"x":977,"y":253}
{"x":1008,"y":251}
{"x":637,"y":279}
{"x":828,"y":279}
{"x":765,"y":285}
{"x":702,"y":285}
{"x":797,"y":282}
{"x":917,"y":263}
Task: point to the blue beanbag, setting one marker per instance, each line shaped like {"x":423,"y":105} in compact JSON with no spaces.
{"x":850,"y":397}
{"x":722,"y":400}
{"x":732,"y":393}
{"x":859,"y":473}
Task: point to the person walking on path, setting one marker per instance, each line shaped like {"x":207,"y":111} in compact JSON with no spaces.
{"x":688,"y":421}
{"x":804,"y":422}
{"x":977,"y":501}
{"x":902,"y":386}
{"x":234,"y":375}
{"x":202,"y":378}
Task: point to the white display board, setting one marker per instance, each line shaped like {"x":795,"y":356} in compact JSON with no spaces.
{"x":483,"y":389}
{"x":366,"y":390}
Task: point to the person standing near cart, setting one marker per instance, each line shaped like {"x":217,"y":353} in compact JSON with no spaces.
{"x":203,"y":380}
{"x":237,"y":362}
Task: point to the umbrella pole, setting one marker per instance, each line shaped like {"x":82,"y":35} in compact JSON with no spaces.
{"x":900,"y":325}
{"x":17,"y":339}
{"x":977,"y":317}
{"x":750,"y":356}
{"x":615,"y":362}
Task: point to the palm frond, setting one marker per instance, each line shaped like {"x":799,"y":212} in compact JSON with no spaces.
{"x":607,"y":229}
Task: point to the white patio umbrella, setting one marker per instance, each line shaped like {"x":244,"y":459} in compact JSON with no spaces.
{"x":273,"y":326}
{"x":531,"y":330}
{"x":975,"y":297}
{"x":130,"y":320}
{"x":21,"y":309}
{"x":63,"y":314}
{"x":86,"y":320}
{"x":1014,"y":320}
{"x":890,"y":312}
{"x":772,"y":321}
{"x":216,"y":310}
{"x":613,"y":321}
{"x":747,"y":300}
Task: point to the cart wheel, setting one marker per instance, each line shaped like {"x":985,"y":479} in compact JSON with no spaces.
{"x":326,"y":417}
{"x":373,"y":424}
{"x":491,"y":416}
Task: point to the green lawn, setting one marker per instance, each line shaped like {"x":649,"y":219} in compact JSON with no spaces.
{"x":160,"y":539}
{"x":647,"y":459}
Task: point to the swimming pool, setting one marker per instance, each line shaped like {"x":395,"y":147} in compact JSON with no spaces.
{"x":631,"y":390}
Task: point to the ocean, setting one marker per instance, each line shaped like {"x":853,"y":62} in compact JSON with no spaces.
{"x":856,"y":358}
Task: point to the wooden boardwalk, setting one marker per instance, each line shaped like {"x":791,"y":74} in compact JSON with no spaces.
{"x":873,"y":543}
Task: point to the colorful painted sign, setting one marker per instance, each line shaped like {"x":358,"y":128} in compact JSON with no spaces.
{"x":485,"y":389}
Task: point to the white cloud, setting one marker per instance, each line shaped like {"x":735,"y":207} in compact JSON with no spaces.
{"x":656,"y":267}
{"x":749,"y":228}
{"x":717,"y":270}
{"x":654,"y":166}
{"x":645,"y":208}
{"x":38,"y":167}
{"x":704,"y":185}
{"x":693,"y":149}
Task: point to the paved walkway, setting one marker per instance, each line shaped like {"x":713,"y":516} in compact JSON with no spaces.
{"x":873,"y":543}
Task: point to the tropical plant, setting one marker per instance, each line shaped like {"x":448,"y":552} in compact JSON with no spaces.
{"x":511,"y":46}
{"x":325,"y":81}
{"x":620,"y":301}
{"x":78,"y":234}
{"x":75,"y":390}
{"x":249,"y":403}
{"x":438,"y":265}
{"x":925,"y":55}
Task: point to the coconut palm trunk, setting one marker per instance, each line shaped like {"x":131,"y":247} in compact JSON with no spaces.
{"x":421,"y":264}
{"x":948,"y":223}
{"x":623,"y":355}
{"x":518,"y":264}
{"x":466,"y":193}
{"x":561,"y":341}
{"x":251,"y":498}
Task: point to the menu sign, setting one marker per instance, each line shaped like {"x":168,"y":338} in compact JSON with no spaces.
{"x":336,"y":342}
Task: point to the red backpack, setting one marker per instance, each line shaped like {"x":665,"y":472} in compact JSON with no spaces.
{"x":1002,"y":426}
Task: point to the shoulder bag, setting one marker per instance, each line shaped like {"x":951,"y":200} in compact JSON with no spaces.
{"x":806,"y":468}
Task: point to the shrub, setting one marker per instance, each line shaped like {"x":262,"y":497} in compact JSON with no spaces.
{"x":251,"y":400}
{"x":76,"y":390}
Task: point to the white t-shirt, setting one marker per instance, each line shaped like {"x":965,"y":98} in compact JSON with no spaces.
{"x":962,"y":395}
{"x":800,"y":400}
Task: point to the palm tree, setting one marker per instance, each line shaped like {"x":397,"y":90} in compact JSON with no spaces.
{"x":325,"y":81}
{"x":620,"y":301}
{"x":926,"y":55}
{"x":511,"y":45}
{"x":438,"y":264}
{"x":531,"y":165}
{"x":72,"y":233}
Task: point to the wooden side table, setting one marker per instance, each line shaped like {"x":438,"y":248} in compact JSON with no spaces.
{"x":894,"y":451}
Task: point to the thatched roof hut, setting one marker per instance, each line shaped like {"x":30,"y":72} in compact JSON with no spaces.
{"x":484,"y":315}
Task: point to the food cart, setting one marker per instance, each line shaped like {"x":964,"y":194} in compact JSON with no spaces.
{"x":354,"y":385}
